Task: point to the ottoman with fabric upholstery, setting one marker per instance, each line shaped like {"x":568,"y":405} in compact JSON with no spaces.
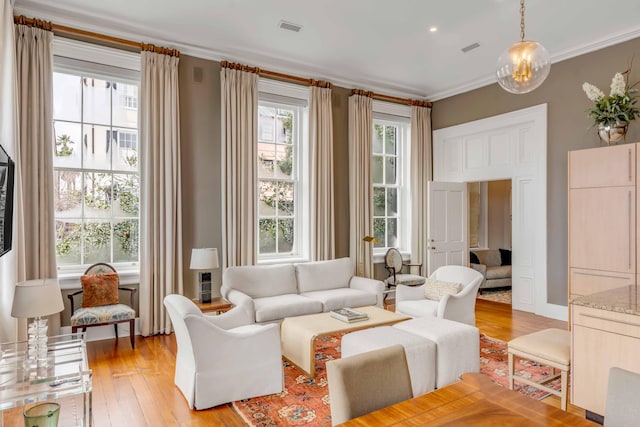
{"x":420,"y":352}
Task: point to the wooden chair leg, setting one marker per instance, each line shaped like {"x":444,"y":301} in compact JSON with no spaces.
{"x":564,"y":389}
{"x":132,"y":332}
{"x":115,"y":327}
{"x":511,"y":370}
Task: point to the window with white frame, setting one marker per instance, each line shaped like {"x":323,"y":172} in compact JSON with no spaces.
{"x":96,"y":166}
{"x":389,"y":173}
{"x":282,"y":204}
{"x":129,"y":97}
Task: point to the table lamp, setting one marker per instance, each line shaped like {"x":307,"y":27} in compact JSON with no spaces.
{"x":204,"y":259}
{"x":36,"y":299}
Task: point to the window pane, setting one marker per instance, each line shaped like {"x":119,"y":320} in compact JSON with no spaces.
{"x":284,"y":156}
{"x":285,"y":126}
{"x":267,"y":195}
{"x":390,"y":140}
{"x":125,"y":149}
{"x":97,"y":241}
{"x":379,"y":232}
{"x":97,"y":195}
{"x":392,"y":202}
{"x":390,"y":170}
{"x":285,"y":235}
{"x":126,"y":195}
{"x":67,"y":190}
{"x":68,"y":235}
{"x":378,"y":201}
{"x":267,"y":236}
{"x":126,"y":241}
{"x":96,"y":97}
{"x":377,"y":138}
{"x":377,"y":169}
{"x":266,"y":160}
{"x":286,"y":205}
{"x":392,"y":232}
{"x":125,"y":105}
{"x":96,"y":145}
{"x":266,"y":118}
{"x":67,"y":97}
{"x":67,"y":137}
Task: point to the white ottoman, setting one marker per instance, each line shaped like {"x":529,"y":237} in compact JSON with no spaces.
{"x":420,"y":352}
{"x":458,"y":346}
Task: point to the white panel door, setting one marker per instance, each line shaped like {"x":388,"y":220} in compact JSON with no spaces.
{"x":447,"y":225}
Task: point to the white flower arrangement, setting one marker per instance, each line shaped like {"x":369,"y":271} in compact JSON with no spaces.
{"x":616,"y":109}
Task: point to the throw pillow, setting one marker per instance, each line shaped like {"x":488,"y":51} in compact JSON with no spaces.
{"x":99,"y":289}
{"x":505,"y":256}
{"x":436,"y":289}
{"x":473,"y":258}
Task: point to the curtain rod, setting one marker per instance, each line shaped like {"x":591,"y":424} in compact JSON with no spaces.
{"x":63,"y":30}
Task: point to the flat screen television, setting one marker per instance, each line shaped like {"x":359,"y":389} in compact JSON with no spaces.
{"x":7,"y":170}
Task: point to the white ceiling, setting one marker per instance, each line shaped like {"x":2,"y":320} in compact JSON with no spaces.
{"x":380,"y":45}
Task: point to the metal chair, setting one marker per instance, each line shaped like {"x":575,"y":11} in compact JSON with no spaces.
{"x":86,"y":317}
{"x":394,"y":264}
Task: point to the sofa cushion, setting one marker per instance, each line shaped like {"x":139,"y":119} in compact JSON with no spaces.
{"x":505,"y":256}
{"x":259,"y":281}
{"x":322,"y":275}
{"x":287,"y":305}
{"x":500,"y":272}
{"x":489,"y":257}
{"x":436,"y":289}
{"x":333,"y":299}
{"x":418,"y":308}
{"x":473,"y":258}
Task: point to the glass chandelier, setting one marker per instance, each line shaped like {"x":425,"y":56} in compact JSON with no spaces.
{"x":525,"y":65}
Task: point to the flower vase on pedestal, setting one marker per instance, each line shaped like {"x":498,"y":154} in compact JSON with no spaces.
{"x":614,"y":133}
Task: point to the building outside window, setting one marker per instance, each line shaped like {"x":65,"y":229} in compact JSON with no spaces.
{"x":96,"y":169}
{"x":390,"y":185}
{"x":282,"y":168}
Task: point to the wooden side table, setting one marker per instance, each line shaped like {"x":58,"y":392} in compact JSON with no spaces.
{"x":217,"y":305}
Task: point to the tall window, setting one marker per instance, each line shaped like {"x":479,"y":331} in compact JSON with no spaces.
{"x":279,"y":188}
{"x":389,"y":184}
{"x":96,"y":169}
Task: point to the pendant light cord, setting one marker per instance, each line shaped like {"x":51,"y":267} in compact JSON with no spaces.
{"x":522,"y":20}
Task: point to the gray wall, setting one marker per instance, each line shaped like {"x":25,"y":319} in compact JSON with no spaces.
{"x":569,"y":128}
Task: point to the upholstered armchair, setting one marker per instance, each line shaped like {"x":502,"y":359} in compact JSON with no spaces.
{"x":220,"y":358}
{"x":460,"y":306}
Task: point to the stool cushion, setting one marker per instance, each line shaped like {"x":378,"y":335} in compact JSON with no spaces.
{"x":457,"y":346}
{"x":549,"y":344}
{"x":420,"y":352}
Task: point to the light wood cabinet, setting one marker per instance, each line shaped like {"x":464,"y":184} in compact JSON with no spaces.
{"x":586,"y":282}
{"x":601,"y":340}
{"x":603,"y":167}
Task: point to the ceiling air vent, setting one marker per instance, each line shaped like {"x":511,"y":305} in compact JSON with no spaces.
{"x":290,"y":26}
{"x":470,"y":47}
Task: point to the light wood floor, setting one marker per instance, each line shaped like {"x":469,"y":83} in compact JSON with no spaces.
{"x":135,"y":388}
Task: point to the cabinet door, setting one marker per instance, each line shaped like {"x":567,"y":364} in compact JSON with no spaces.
{"x":603,"y":167}
{"x":602,"y":229}
{"x":586,"y":282}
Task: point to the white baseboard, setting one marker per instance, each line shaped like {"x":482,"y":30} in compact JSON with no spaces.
{"x":555,"y":311}
{"x":106,"y":332}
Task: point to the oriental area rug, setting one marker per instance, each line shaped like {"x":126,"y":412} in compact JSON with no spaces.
{"x":305,"y":401}
{"x":502,"y":295}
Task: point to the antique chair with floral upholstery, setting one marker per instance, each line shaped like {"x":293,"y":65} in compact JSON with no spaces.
{"x":394,"y":264}
{"x":100,"y":301}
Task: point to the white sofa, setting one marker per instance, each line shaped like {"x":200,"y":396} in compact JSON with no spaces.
{"x":268,"y":293}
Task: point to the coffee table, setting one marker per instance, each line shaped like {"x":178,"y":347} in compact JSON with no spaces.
{"x":298,"y":333}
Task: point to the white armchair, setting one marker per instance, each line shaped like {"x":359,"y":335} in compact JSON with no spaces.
{"x":411,"y":301}
{"x":220,"y":358}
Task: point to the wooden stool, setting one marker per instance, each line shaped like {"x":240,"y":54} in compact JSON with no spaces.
{"x":551,"y":347}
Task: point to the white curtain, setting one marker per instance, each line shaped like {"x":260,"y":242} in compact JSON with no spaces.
{"x":360,"y":184}
{"x":161,"y":207}
{"x":35,"y":225}
{"x":8,"y":132}
{"x":421,"y":172}
{"x":321,"y":149}
{"x":239,"y":111}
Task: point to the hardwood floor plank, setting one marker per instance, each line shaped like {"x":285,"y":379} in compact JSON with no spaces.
{"x":136,"y":388}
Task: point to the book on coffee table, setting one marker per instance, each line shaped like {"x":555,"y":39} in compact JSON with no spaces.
{"x":349,"y":315}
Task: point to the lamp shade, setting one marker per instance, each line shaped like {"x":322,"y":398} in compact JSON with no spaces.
{"x":40,"y":297}
{"x":204,"y":259}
